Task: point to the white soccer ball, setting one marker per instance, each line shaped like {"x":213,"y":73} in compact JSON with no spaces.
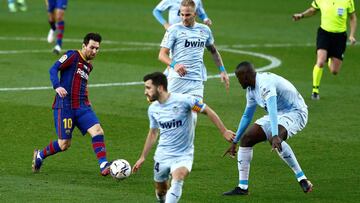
{"x":120,"y":169}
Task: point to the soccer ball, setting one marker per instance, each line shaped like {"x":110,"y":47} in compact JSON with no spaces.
{"x":120,"y":169}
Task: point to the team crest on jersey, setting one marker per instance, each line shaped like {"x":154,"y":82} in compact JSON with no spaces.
{"x":175,"y":109}
{"x":340,"y":11}
{"x":63,"y":58}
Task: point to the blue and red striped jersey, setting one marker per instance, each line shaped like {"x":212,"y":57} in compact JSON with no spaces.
{"x":74,"y":74}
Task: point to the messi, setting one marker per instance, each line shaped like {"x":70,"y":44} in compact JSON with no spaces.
{"x":194,"y":43}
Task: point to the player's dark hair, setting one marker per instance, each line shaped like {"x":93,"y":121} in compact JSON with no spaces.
{"x":245,"y":66}
{"x":92,"y":36}
{"x":158,"y":79}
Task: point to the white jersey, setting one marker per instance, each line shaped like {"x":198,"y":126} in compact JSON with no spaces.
{"x":174,"y":9}
{"x":269,"y":84}
{"x":187,"y":46}
{"x":174,"y":119}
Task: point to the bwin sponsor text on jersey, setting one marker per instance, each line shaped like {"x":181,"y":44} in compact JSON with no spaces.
{"x":194,"y":43}
{"x":171,"y":124}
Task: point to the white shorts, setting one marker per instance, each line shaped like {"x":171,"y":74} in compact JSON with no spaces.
{"x":163,"y":169}
{"x":184,"y":86}
{"x":293,"y":122}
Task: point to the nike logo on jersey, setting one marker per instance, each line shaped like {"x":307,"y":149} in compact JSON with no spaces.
{"x":194,"y":43}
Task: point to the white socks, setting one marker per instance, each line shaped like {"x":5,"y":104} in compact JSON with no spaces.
{"x":174,"y":193}
{"x":245,"y":155}
{"x":289,"y":157}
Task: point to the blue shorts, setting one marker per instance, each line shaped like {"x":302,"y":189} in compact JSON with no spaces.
{"x":66,"y":119}
{"x":56,"y":4}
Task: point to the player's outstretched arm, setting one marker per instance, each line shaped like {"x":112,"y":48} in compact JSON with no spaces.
{"x":307,"y":13}
{"x":219,"y":63}
{"x":227,"y":134}
{"x":150,"y":141}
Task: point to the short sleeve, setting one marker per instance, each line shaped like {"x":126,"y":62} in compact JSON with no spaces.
{"x":169,"y":38}
{"x":152,"y":121}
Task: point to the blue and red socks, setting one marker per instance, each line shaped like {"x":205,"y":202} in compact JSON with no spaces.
{"x":98,"y":145}
{"x":60,"y":32}
{"x":49,"y":150}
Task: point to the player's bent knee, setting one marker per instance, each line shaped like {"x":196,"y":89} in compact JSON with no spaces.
{"x":96,"y":130}
{"x":64,"y":144}
{"x":245,"y":141}
{"x":180,"y":173}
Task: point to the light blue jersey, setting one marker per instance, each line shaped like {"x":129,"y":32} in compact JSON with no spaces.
{"x":173,"y":6}
{"x":187,"y":46}
{"x":174,"y":119}
{"x":269,"y":84}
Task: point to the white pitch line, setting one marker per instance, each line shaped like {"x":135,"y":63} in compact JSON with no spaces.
{"x":274,"y":62}
{"x":307,"y":44}
{"x":5,"y":52}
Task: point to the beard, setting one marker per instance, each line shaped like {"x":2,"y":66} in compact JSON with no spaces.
{"x":153,"y":97}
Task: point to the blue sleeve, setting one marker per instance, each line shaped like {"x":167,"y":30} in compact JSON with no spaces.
{"x":158,"y":15}
{"x":244,"y":122}
{"x":271,"y":105}
{"x":54,"y":75}
{"x":201,"y":13}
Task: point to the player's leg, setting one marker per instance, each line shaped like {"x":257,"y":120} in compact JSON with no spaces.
{"x":98,"y":144}
{"x":50,"y":7}
{"x":160,"y":190}
{"x":87,"y":121}
{"x":317,"y":72}
{"x":179,"y":171}
{"x":289,"y":125}
{"x":12,"y":6}
{"x":323,"y":41}
{"x":161,"y":178}
{"x":253,"y":136}
{"x":60,"y":26}
{"x":337,"y":51}
{"x":335,"y":65}
{"x":63,"y":121}
{"x":22,"y":5}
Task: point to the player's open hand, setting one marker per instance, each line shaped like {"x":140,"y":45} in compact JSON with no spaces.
{"x":352,"y":40}
{"x":276,"y":143}
{"x":61,"y":92}
{"x":225,"y":79}
{"x":180,"y":69}
{"x":229,"y":135}
{"x":137,"y":165}
{"x":231,"y":151}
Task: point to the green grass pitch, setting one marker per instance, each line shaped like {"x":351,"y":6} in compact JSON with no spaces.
{"x":327,"y":149}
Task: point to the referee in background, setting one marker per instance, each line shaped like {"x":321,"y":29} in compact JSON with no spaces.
{"x":331,"y":35}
